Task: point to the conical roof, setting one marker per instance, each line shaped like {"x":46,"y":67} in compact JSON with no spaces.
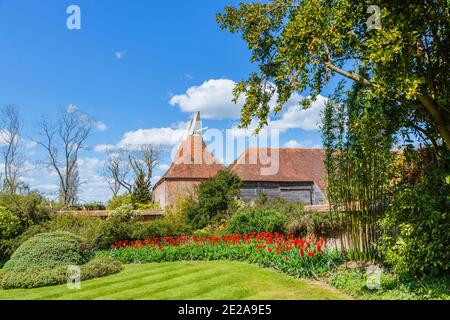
{"x":193,"y":160}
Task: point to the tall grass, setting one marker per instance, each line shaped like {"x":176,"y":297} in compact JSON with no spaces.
{"x":358,"y":161}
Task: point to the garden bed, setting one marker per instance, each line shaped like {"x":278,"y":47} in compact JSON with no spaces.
{"x":298,"y":257}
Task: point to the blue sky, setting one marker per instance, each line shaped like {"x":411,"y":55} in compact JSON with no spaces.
{"x":138,"y":67}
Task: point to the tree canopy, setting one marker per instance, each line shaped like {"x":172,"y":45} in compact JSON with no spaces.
{"x":299,"y":45}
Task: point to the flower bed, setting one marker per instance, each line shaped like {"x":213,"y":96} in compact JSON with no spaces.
{"x":295,"y":256}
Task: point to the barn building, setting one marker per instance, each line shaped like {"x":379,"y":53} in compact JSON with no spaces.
{"x":298,"y":174}
{"x":291,"y":173}
{"x":192,"y":164}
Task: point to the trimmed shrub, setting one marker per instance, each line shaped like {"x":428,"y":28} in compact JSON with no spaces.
{"x":96,"y":268}
{"x":33,"y":278}
{"x":48,"y":250}
{"x":257,"y":220}
{"x":100,"y":267}
{"x":7,"y":247}
{"x":10,"y":225}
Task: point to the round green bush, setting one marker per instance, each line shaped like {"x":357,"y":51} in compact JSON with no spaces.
{"x":96,"y":268}
{"x":48,"y":250}
{"x":10,"y":224}
{"x":258,"y":220}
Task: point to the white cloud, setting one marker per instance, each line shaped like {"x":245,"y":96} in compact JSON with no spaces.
{"x":301,"y":144}
{"x":71,"y":108}
{"x":292,"y":144}
{"x":3,"y":135}
{"x":295,"y":117}
{"x":104,"y":148}
{"x":213,"y":98}
{"x":90,"y":163}
{"x":156,"y":136}
{"x":120,"y":55}
{"x":30,"y":144}
{"x":47,"y":187}
{"x":100,"y":126}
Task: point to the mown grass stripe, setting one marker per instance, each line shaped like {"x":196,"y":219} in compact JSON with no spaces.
{"x":187,"y":280}
{"x":167,"y":283}
{"x":209,"y":286}
{"x":113,"y":280}
{"x":144,"y":280}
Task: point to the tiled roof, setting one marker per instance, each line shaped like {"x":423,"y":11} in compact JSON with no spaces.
{"x":289,"y":165}
{"x":193,"y":161}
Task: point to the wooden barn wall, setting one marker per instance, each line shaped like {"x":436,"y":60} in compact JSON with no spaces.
{"x":305,"y":192}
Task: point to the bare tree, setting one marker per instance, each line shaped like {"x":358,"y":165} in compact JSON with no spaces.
{"x":125,"y":164}
{"x":143,"y":159}
{"x":70,"y":195}
{"x":11,"y":126}
{"x":63,"y":141}
{"x":117,"y":172}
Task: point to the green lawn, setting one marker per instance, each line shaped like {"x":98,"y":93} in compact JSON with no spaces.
{"x":187,"y":280}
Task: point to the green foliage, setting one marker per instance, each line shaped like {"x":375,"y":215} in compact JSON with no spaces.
{"x":141,"y":190}
{"x":214,"y":197}
{"x":178,"y":212}
{"x":358,"y":140}
{"x":300,"y":45}
{"x":96,"y":233}
{"x":119,"y":200}
{"x":125,"y":213}
{"x":416,"y":227}
{"x":96,"y":268}
{"x":10,"y":225}
{"x":160,"y":227}
{"x":7,"y":247}
{"x":354,"y":282}
{"x":262,"y":198}
{"x":90,"y":229}
{"x":28,"y":208}
{"x":147,"y":206}
{"x":256,"y":220}
{"x":120,"y":225}
{"x":100,"y":267}
{"x":299,"y":222}
{"x":48,"y":250}
{"x":128,"y":199}
{"x":93,"y":206}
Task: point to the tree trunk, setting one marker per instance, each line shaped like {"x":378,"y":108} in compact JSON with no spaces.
{"x":437,"y":117}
